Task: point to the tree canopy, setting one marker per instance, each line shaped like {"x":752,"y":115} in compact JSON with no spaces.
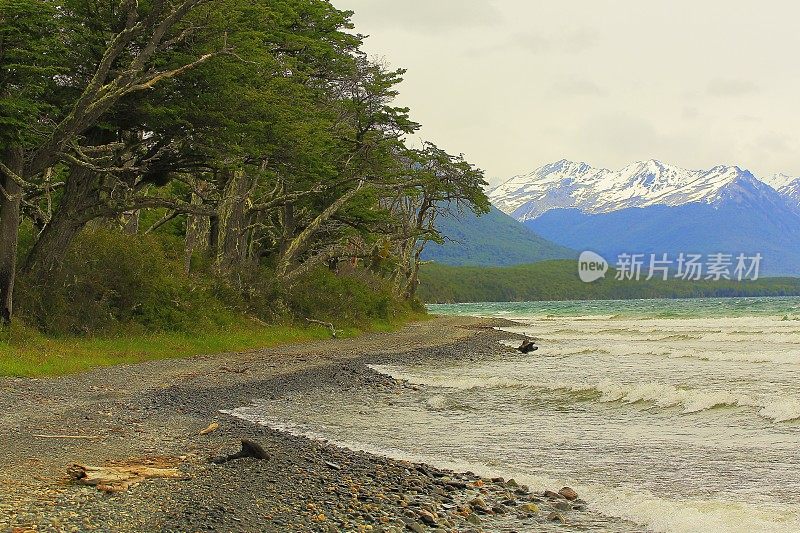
{"x":258,"y":132}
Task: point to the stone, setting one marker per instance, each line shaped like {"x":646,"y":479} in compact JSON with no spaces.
{"x":529,"y":507}
{"x":556,"y":517}
{"x":414,"y":526}
{"x":477,"y":502}
{"x":568,"y":493}
{"x":563,"y":506}
{"x":550,"y":495}
{"x":427,"y":517}
{"x":473,"y":519}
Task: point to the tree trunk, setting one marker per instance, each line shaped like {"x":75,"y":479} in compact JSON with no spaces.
{"x":234,"y":215}
{"x":9,"y":234}
{"x":77,"y":207}
{"x":130,"y":222}
{"x":287,"y":228}
{"x":287,"y":259}
{"x":198,"y":233}
{"x":413,"y":280}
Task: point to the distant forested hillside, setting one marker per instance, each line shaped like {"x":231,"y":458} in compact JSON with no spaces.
{"x":493,"y":239}
{"x":558,"y":280}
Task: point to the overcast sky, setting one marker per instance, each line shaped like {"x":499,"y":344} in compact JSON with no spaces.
{"x":515,"y":84}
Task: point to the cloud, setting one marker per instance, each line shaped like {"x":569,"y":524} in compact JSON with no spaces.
{"x":423,"y":16}
{"x":690,"y":112}
{"x":573,"y":42}
{"x":731,"y":87}
{"x":577,"y":87}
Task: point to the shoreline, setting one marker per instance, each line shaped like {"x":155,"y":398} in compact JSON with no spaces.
{"x":157,"y":409}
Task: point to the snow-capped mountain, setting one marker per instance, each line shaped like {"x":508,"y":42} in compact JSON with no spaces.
{"x":653,"y":207}
{"x":566,"y":184}
{"x":788,"y":186}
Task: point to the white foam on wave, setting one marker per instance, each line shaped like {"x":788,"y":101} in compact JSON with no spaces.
{"x":695,"y":516}
{"x":785,"y":410}
{"x":637,"y":506}
{"x":781,"y":409}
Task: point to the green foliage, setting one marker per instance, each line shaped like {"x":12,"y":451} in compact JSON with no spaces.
{"x":29,"y":54}
{"x":558,"y":280}
{"x":353,"y":297}
{"x":255,"y":135}
{"x":111,"y":282}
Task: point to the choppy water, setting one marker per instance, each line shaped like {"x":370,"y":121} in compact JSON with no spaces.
{"x":680,"y":416}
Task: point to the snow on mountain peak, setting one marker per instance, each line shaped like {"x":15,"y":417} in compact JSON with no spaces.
{"x":788,"y":186}
{"x":567,"y":184}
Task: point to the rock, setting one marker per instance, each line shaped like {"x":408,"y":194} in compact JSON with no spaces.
{"x":473,"y":519}
{"x":556,"y":517}
{"x":568,"y":493}
{"x":478,"y":502}
{"x":550,"y":495}
{"x":563,"y":506}
{"x":333,"y":465}
{"x":414,"y":526}
{"x":427,"y":517}
{"x":511,"y":483}
{"x":529,"y":507}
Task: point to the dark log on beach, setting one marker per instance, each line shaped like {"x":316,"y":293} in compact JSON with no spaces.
{"x":527,"y":346}
{"x":249,"y":449}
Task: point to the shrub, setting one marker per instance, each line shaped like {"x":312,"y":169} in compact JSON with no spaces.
{"x":109,"y":281}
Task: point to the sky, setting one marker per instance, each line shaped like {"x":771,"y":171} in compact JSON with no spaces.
{"x":516,"y":84}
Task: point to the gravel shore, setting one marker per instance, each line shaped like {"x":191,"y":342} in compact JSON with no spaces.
{"x":157,"y":409}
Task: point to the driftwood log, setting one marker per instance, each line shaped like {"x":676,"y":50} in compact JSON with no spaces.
{"x":118,"y":477}
{"x":249,"y":449}
{"x":328,"y":325}
{"x":527,"y":346}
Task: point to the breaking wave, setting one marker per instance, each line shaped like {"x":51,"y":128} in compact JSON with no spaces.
{"x":654,"y":394}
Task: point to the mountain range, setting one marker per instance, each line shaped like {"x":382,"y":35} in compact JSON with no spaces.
{"x":493,"y":239}
{"x":654,"y":207}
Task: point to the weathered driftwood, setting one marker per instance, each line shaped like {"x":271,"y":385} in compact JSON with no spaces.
{"x":213,"y":426}
{"x":527,"y":346}
{"x":328,"y":325}
{"x":88,"y":437}
{"x":118,"y":477}
{"x":249,"y":449}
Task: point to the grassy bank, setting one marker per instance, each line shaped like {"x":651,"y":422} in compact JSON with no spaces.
{"x":27,"y":353}
{"x":116,"y":299}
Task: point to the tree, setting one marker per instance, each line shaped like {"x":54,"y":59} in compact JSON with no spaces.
{"x":135,"y":41}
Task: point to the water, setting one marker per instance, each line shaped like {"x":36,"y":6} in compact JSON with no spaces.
{"x":676,"y":415}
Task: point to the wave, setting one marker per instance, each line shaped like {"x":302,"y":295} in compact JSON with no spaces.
{"x":661,"y":395}
{"x":786,"y":410}
{"x":639,"y":506}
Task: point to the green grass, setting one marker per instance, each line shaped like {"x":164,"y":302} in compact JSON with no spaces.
{"x":27,"y":353}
